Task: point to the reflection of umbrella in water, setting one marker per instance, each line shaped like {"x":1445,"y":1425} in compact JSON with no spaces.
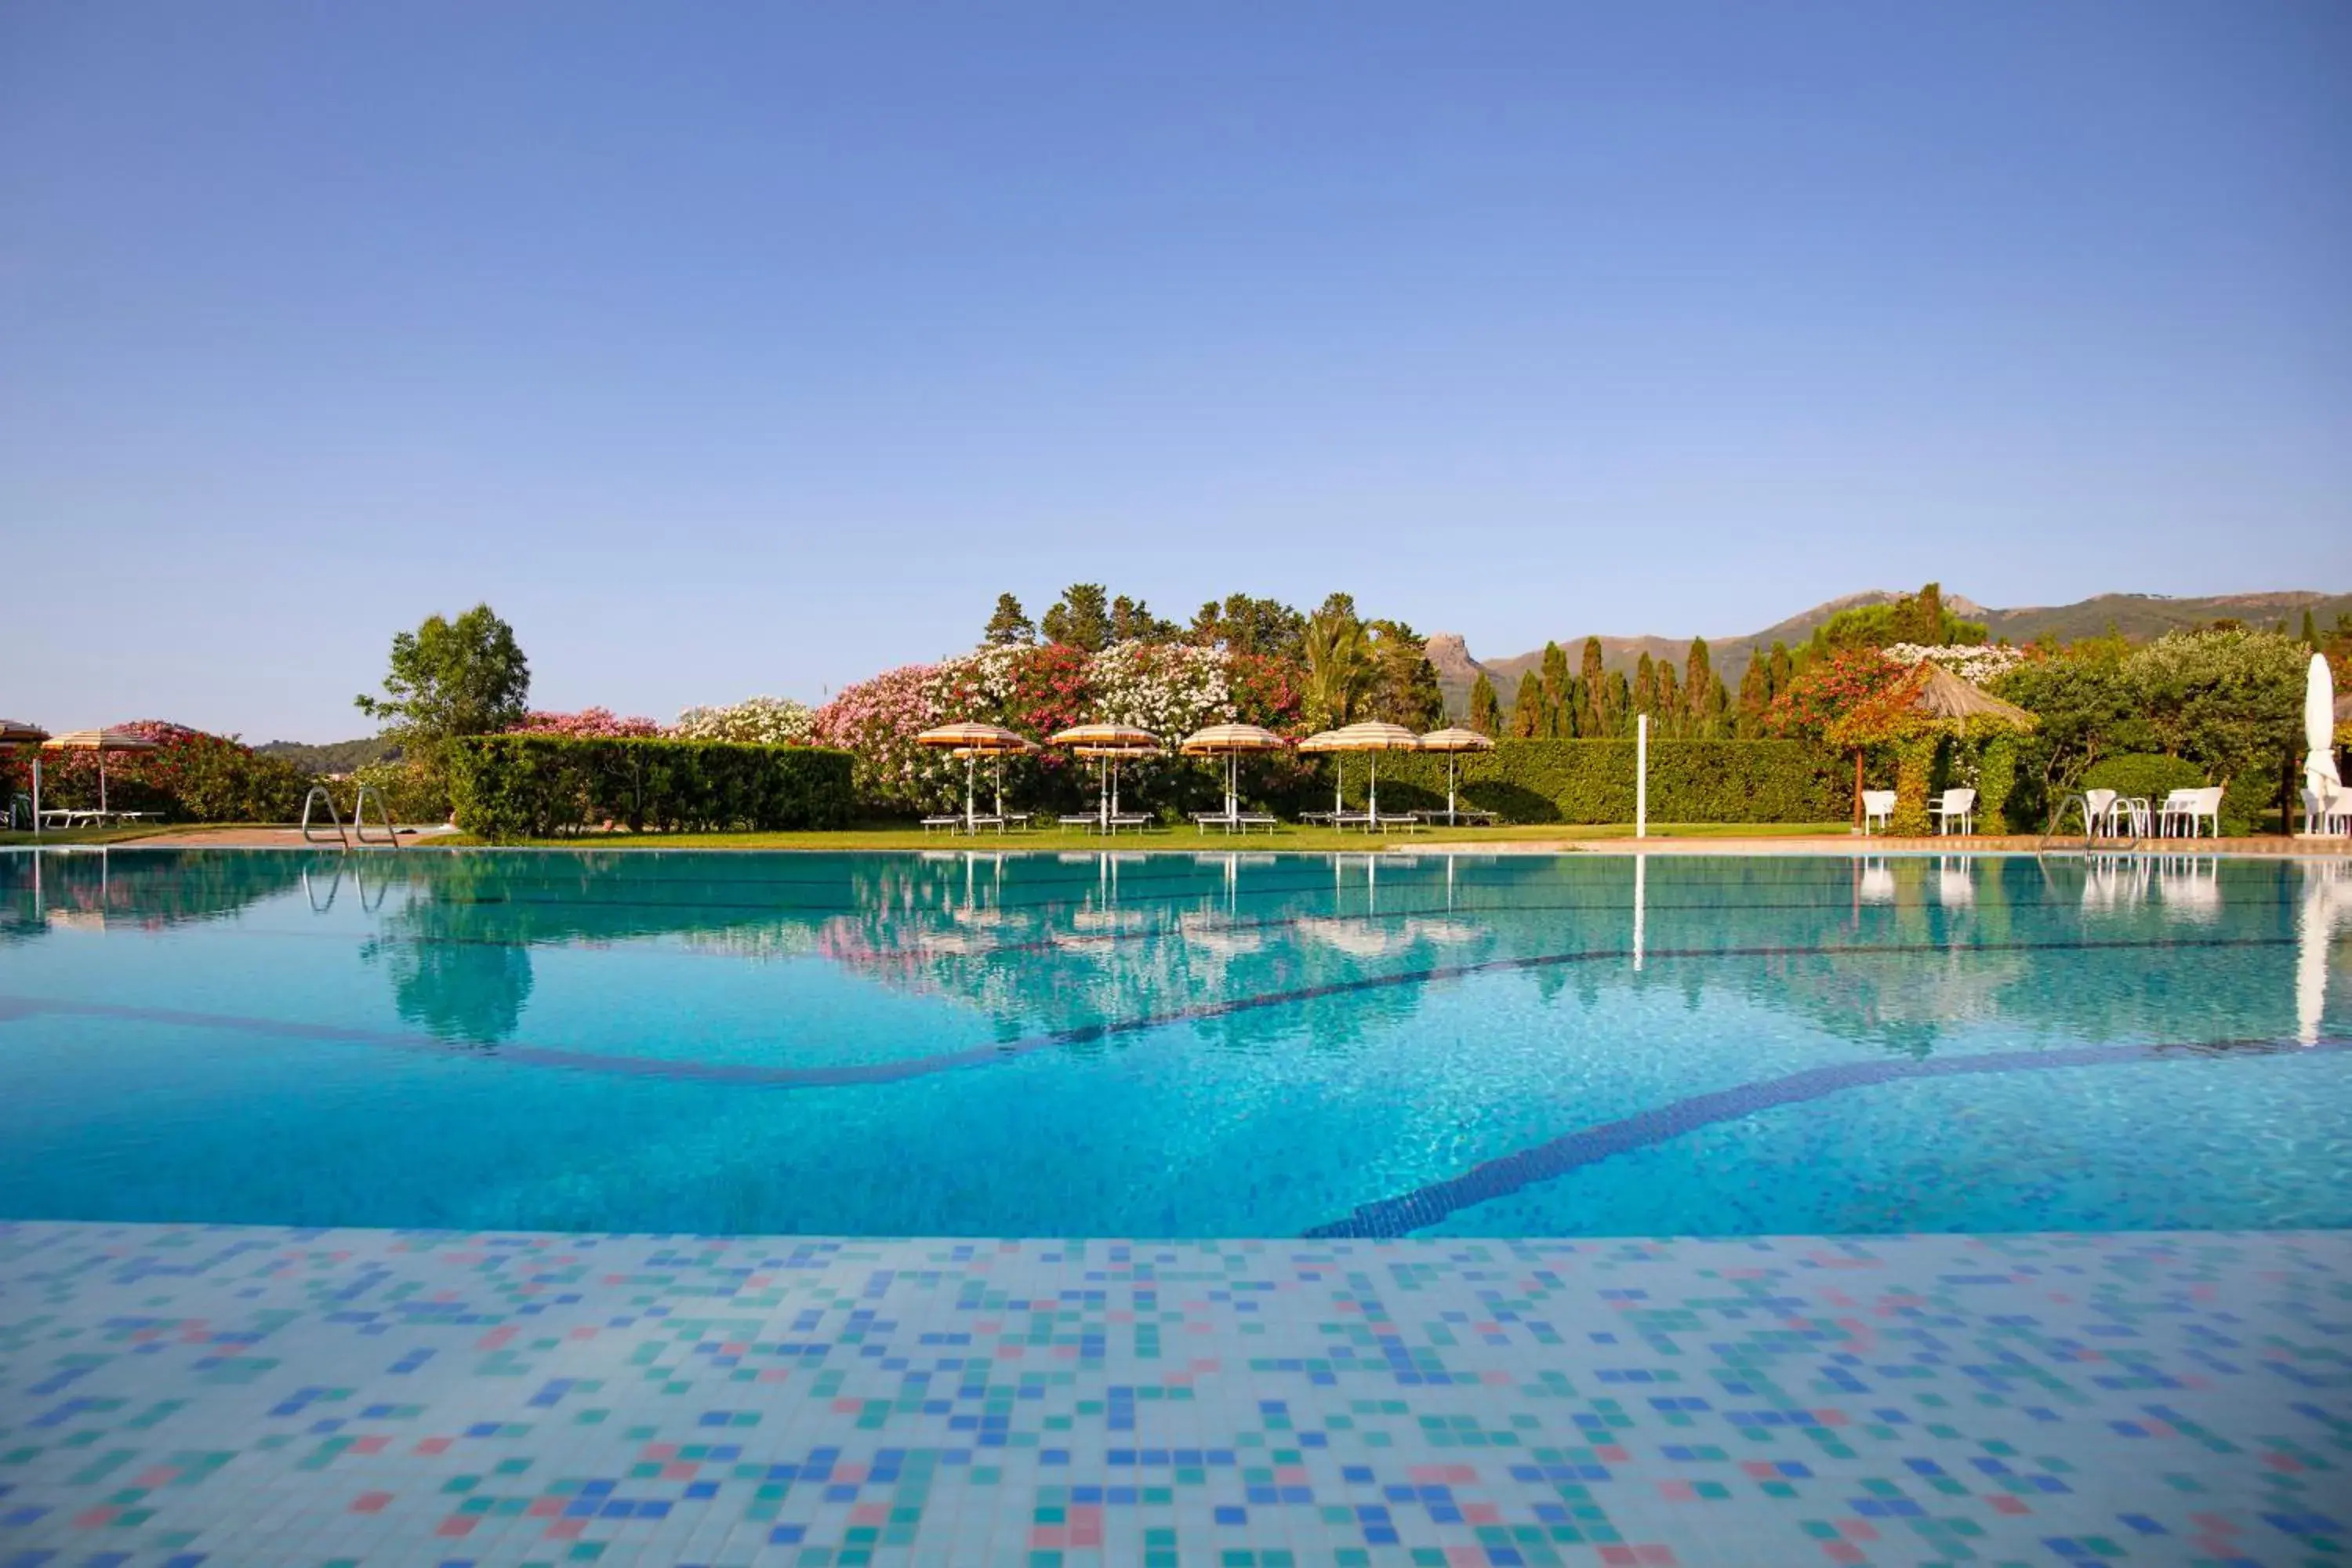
{"x":2326,"y":897}
{"x":101,"y":742}
{"x":1232,"y":742}
{"x":14,"y":732}
{"x":972,"y":741}
{"x":1453,"y":743}
{"x":1110,"y":744}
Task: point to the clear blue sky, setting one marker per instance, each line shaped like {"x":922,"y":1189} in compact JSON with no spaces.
{"x":742,"y":348}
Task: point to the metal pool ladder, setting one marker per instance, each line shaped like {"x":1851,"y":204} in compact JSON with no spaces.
{"x":358,"y":833}
{"x":2049,"y":834}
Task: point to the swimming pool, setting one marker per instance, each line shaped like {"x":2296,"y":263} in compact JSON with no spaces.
{"x":1175,"y":1044}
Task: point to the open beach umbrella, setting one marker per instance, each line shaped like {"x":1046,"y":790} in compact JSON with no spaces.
{"x":1453,"y":743}
{"x":15,"y":732}
{"x":972,"y":742}
{"x":1230,"y":741}
{"x":101,"y":742}
{"x":1372,"y":738}
{"x":1109,"y":744}
{"x":1318,"y":742}
{"x":2319,"y":773}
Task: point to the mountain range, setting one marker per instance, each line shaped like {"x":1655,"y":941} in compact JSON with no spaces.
{"x":2135,"y":615}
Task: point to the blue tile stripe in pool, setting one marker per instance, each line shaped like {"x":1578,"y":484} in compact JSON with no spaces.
{"x":1402,"y":1215}
{"x":247,"y":1397}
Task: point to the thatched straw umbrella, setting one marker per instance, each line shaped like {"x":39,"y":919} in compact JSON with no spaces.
{"x":972,"y":742}
{"x":1943,"y":695}
{"x":1453,"y":743}
{"x":1230,"y":741}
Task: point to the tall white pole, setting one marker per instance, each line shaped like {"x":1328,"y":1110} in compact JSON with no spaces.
{"x":1642,"y":777}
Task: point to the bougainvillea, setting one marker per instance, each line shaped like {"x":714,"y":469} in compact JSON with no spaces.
{"x":755,"y":720}
{"x":588,"y":724}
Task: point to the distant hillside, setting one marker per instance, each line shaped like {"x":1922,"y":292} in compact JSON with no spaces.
{"x":2139,"y":616}
{"x":335,"y":756}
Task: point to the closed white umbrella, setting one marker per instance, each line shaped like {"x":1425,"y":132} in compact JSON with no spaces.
{"x":2319,"y":728}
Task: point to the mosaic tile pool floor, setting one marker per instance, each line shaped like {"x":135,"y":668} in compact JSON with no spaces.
{"x":234,"y":1395}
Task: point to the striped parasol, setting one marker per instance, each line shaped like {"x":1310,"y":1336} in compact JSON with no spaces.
{"x":101,"y":742}
{"x":972,"y":742}
{"x":1233,"y":743}
{"x":1453,"y":743}
{"x":1373,"y":737}
{"x":1108,"y":745}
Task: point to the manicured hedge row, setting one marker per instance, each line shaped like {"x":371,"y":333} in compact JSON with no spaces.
{"x":1593,"y":781}
{"x":509,"y":787}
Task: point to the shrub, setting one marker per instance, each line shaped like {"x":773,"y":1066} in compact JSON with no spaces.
{"x":1593,"y":781}
{"x":755,"y":720}
{"x":510,"y":787}
{"x":190,"y":777}
{"x":2144,"y":777}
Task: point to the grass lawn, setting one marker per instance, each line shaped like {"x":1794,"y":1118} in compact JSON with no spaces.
{"x":54,"y":836}
{"x":1318,"y":840}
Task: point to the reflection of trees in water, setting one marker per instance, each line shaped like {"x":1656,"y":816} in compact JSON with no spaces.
{"x":148,"y":889}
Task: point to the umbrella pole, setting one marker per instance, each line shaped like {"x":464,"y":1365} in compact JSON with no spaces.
{"x":1102,"y":795}
{"x":971,"y":815}
{"x":1338,"y":786}
{"x":1450,"y":760}
{"x":37,"y":800}
{"x":1233,"y":784}
{"x":1372,"y":795}
{"x":101,"y":783}
{"x":999,"y":764}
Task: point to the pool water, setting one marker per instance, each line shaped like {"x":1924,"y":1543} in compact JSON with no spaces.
{"x":1175,"y":1044}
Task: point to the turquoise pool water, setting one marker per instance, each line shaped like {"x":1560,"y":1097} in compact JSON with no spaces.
{"x":1175,"y":1044}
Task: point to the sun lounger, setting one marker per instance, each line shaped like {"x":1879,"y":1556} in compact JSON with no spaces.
{"x":1408,"y":820}
{"x":950,"y":823}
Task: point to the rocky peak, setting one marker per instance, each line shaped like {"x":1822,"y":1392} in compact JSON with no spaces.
{"x":1449,"y":654}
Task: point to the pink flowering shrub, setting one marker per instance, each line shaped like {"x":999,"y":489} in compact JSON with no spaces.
{"x":588,"y":724}
{"x":875,"y":721}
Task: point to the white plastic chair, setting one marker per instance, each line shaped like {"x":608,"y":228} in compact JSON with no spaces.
{"x":2328,"y":815}
{"x":1879,"y":804}
{"x":1957,"y":804}
{"x":2099,"y":811}
{"x":2185,"y":808}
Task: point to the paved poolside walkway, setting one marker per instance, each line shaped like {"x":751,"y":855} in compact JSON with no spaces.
{"x":242,"y":1396}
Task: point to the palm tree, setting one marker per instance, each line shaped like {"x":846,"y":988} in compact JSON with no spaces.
{"x":1339,"y":666}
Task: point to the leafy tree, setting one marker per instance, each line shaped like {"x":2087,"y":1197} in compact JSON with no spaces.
{"x":1080,"y":618}
{"x":465,"y":677}
{"x":2231,"y":700}
{"x":2087,"y":710}
{"x":1010,"y":625}
{"x":1404,"y":683}
{"x":1131,"y":620}
{"x":1266,"y":627}
{"x":1485,"y":709}
{"x":1528,"y":718}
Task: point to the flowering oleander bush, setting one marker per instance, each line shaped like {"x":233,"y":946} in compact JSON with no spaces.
{"x":1978,"y":664}
{"x":755,"y":721}
{"x":875,"y":721}
{"x":588,"y":724}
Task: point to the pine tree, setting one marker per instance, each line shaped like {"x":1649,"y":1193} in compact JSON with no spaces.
{"x":1010,"y":624}
{"x":1081,"y":619}
{"x":1528,"y":719}
{"x":1485,"y":709}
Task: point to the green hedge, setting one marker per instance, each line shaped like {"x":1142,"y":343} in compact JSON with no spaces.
{"x":1593,"y":781}
{"x":509,"y":787}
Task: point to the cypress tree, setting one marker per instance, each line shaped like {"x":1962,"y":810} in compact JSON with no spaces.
{"x":1645,"y":685}
{"x":1698,"y":682}
{"x":1595,"y":679}
{"x":1755,"y":692}
{"x":2310,"y":630}
{"x":1781,"y":672}
{"x":1617,"y":705}
{"x":1486,"y":708}
{"x":1670,"y":720}
{"x":1556,"y":694}
{"x":1527,"y":709}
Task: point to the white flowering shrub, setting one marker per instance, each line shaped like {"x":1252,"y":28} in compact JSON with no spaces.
{"x":757,"y":721}
{"x":1978,"y":664}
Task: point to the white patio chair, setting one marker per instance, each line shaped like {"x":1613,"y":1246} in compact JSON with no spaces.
{"x":1957,"y":806}
{"x":2099,"y":811}
{"x":2184,"y":809}
{"x":1878,"y":805}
